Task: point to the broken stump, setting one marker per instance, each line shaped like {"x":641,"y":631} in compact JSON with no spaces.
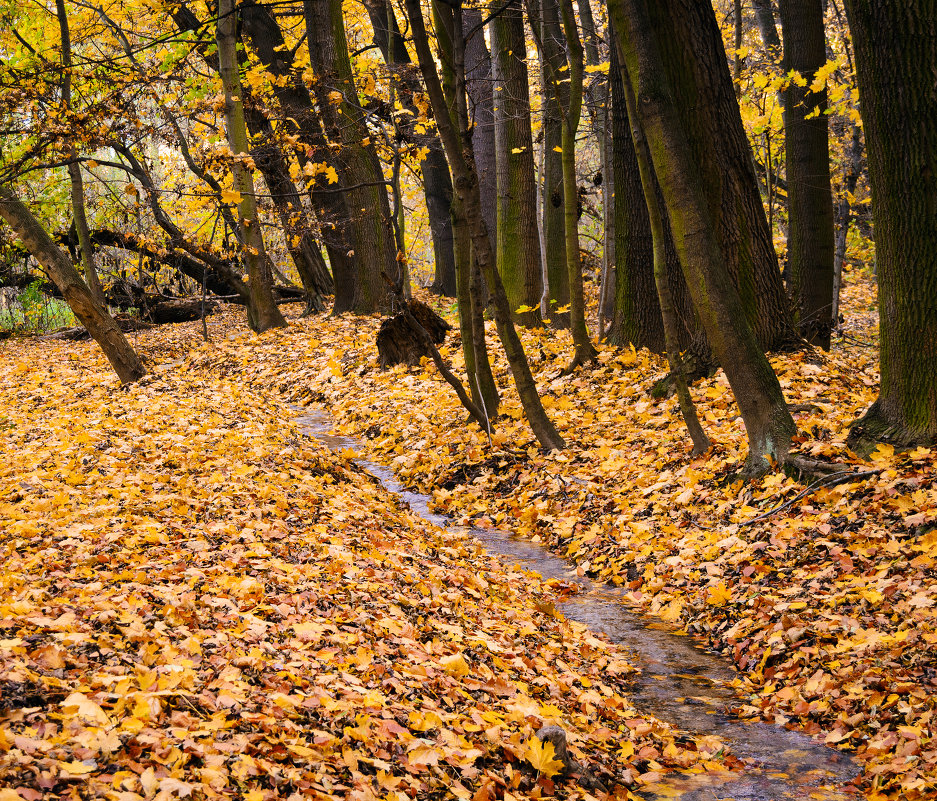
{"x":399,"y":340}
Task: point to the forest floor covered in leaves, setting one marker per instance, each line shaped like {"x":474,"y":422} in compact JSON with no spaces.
{"x":194,"y":595}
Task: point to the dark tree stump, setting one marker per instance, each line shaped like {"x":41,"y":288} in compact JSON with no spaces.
{"x":399,"y":342}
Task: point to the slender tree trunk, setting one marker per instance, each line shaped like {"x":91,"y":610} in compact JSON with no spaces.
{"x":552,"y":58}
{"x":472,"y":309}
{"x":465,"y":183}
{"x":738,"y":61}
{"x":693,"y":219}
{"x":74,"y":169}
{"x":366,"y":189}
{"x":896,"y":61}
{"x":809,"y":193}
{"x":852,"y":170}
{"x":585,"y":350}
{"x":518,"y":246}
{"x":262,"y":310}
{"x":90,"y":313}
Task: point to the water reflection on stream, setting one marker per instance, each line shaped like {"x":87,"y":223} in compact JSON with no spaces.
{"x":679,"y":682}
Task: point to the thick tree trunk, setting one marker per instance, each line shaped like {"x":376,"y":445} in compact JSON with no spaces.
{"x":518,"y":242}
{"x":697,"y":71}
{"x":809,"y":194}
{"x":896,"y":60}
{"x":365,"y":186}
{"x":262,"y":311}
{"x":465,"y":183}
{"x":482,"y":118}
{"x":437,"y":186}
{"x":694,"y":220}
{"x":92,"y":315}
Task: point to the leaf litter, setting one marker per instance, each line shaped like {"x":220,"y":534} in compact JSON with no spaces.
{"x":197,"y":602}
{"x":827,"y":608}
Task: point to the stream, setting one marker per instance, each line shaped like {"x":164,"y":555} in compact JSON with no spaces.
{"x":678,"y":682}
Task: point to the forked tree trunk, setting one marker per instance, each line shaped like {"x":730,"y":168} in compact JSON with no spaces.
{"x":807,"y":151}
{"x":91,"y":314}
{"x":768,"y":422}
{"x":896,"y":60}
{"x":465,"y":183}
{"x":262,"y":311}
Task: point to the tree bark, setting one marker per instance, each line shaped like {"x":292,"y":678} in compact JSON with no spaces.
{"x":518,"y":243}
{"x":809,"y":193}
{"x":694,"y":221}
{"x":92,"y":315}
{"x":262,"y":311}
{"x":366,"y":189}
{"x":896,"y":60}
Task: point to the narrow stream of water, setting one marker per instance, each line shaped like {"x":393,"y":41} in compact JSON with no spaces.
{"x":678,"y":683}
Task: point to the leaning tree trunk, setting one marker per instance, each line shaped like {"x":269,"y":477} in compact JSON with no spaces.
{"x":465,"y":182}
{"x":809,"y":194}
{"x":262,"y":311}
{"x":91,"y":314}
{"x":694,"y":221}
{"x":518,"y":241}
{"x":896,"y":60}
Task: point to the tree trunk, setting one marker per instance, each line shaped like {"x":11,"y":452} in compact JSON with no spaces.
{"x":518,"y":245}
{"x":852,"y":170}
{"x":697,"y":71}
{"x":437,"y":186}
{"x":552,"y":58}
{"x":92,"y":315}
{"x":262,"y":311}
{"x":662,"y":280}
{"x":482,"y":118}
{"x":74,"y":169}
{"x":301,"y":119}
{"x":365,"y":185}
{"x":896,"y":60}
{"x":585,"y":350}
{"x":809,"y":194}
{"x":694,"y":221}
{"x":465,"y":183}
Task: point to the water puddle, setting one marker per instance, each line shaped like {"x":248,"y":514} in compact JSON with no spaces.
{"x":679,"y":682}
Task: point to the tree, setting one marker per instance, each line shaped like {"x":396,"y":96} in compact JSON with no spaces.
{"x":365,"y":187}
{"x":896,"y":60}
{"x":694,"y":222}
{"x":465,"y":183}
{"x":518,"y":241}
{"x":93,"y":316}
{"x":262,"y":311}
{"x":809,"y":195}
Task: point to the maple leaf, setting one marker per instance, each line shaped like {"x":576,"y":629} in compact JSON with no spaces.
{"x":541,"y":756}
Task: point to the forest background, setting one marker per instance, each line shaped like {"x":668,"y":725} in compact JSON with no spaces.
{"x":644,"y":204}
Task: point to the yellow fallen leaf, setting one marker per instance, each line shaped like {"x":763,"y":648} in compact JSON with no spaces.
{"x":541,"y":756}
{"x":455,"y":665}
